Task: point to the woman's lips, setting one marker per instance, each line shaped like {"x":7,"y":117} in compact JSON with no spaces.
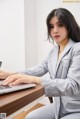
{"x":56,"y":36}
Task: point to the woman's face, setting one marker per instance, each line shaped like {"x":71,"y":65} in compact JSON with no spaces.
{"x":58,"y":31}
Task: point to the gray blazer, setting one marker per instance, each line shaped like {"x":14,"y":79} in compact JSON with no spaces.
{"x":63,"y":82}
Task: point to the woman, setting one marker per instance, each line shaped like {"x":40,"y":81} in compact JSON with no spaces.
{"x":63,"y":65}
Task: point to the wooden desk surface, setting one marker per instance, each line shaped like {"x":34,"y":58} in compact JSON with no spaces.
{"x":12,"y":102}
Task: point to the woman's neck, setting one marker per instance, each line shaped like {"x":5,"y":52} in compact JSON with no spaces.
{"x":62,"y":45}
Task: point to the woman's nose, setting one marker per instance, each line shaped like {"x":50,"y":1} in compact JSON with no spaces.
{"x":55,"y":29}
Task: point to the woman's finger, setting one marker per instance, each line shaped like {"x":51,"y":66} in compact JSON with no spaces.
{"x":9,"y":80}
{"x":18,"y":81}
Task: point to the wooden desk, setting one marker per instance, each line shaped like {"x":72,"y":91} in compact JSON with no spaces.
{"x":12,"y":102}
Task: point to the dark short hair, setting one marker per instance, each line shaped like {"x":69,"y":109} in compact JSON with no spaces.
{"x":65,"y":17}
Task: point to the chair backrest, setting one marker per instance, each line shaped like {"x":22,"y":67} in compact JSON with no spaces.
{"x":50,"y":99}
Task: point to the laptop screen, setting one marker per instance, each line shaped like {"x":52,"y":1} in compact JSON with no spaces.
{"x":0,"y":63}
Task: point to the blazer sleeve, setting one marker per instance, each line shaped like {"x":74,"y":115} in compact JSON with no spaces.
{"x":69,"y":86}
{"x":38,"y":70}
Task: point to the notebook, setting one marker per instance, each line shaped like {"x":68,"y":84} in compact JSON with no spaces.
{"x":8,"y":89}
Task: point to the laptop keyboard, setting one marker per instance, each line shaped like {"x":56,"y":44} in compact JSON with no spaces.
{"x":3,"y":87}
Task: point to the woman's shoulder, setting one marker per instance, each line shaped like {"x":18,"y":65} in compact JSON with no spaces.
{"x":53,"y":49}
{"x":76,"y":47}
{"x":51,"y":52}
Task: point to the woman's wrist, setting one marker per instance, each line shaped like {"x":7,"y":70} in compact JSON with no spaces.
{"x":35,"y":80}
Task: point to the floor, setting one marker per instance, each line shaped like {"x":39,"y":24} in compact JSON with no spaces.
{"x":43,"y":100}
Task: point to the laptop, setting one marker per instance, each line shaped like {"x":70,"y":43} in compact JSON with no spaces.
{"x":9,"y":89}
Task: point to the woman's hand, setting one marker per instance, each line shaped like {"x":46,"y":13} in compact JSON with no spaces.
{"x":16,"y":79}
{"x":4,"y":74}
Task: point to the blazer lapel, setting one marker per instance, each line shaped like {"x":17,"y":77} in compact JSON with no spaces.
{"x":54,"y":59}
{"x":67,"y":48}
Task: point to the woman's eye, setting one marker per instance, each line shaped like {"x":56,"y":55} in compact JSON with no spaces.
{"x":60,"y":25}
{"x":51,"y":26}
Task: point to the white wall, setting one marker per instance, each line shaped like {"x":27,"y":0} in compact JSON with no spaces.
{"x":30,"y":32}
{"x":12,"y":39}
